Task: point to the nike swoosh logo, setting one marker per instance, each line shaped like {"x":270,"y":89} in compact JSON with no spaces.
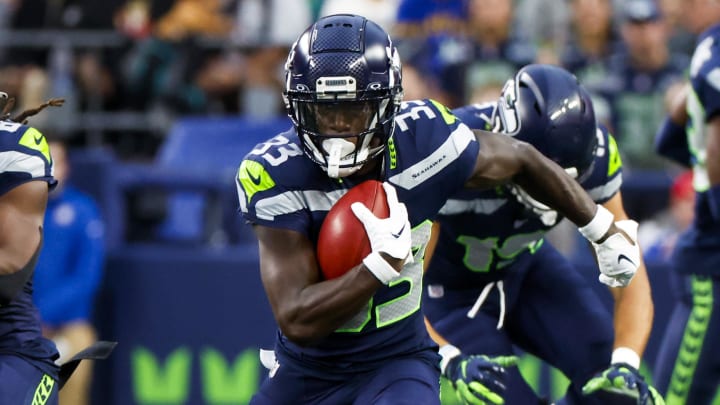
{"x":623,"y":257}
{"x":38,"y":139}
{"x":254,"y":179}
{"x":397,"y":235}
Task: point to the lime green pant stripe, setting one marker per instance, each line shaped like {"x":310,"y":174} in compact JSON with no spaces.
{"x":43,"y":390}
{"x":692,"y":341}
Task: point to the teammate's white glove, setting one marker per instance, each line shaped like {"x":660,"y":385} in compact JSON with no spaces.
{"x":618,"y":257}
{"x":547,"y":215}
{"x":390,"y":235}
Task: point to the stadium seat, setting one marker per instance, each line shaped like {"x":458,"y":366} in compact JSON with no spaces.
{"x":211,"y":147}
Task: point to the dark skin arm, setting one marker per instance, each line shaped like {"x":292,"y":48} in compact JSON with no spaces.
{"x":306,"y":307}
{"x":504,"y":159}
{"x":22,"y":210}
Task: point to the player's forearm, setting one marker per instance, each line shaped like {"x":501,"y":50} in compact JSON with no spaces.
{"x":633,"y":313}
{"x":548,"y":183}
{"x":322,"y":308}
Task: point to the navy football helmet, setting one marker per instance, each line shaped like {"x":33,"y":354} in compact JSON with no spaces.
{"x":547,"y":107}
{"x":342,"y":91}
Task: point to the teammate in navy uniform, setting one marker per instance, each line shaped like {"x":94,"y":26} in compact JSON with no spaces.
{"x":28,"y":374}
{"x":493,"y":283}
{"x":361,"y":338}
{"x":688,"y":368}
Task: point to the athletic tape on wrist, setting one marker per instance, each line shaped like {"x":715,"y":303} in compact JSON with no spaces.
{"x":447,"y":352}
{"x":380,"y":268}
{"x":599,"y":225}
{"x":625,"y":355}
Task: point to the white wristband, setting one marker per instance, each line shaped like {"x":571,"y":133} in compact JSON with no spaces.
{"x":599,"y":225}
{"x":380,"y":268}
{"x":447,"y":352}
{"x":625,"y":355}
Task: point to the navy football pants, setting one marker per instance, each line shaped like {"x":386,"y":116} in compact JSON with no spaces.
{"x":23,"y":384}
{"x":411,"y":380}
{"x":688,"y":366}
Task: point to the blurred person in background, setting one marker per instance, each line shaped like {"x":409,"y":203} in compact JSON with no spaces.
{"x":428,"y":34}
{"x":272,"y":27}
{"x":161,"y":68}
{"x":383,"y":12}
{"x":680,"y":39}
{"x":688,"y":366}
{"x":590,"y":40}
{"x":68,"y":273}
{"x":493,"y":50}
{"x":660,"y":233}
{"x":549,"y":31}
{"x":28,"y":373}
{"x":639,"y":74}
{"x":247,"y":75}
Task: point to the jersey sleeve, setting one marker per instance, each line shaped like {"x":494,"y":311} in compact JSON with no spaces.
{"x":605,"y":178}
{"x":24,"y":156}
{"x":707,"y":87}
{"x":436,"y":152}
{"x":476,"y":116}
{"x":266,"y":201}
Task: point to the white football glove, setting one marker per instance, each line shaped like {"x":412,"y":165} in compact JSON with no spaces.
{"x":391,"y":235}
{"x":618,"y":257}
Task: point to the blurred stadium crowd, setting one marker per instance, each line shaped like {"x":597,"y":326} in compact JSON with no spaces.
{"x":166,"y":81}
{"x":128,"y":68}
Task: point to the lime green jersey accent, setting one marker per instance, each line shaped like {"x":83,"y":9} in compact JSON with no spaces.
{"x":614,"y":161}
{"x":692,"y":341}
{"x":34,"y":139}
{"x":448,"y":116}
{"x":43,"y":390}
{"x":393,"y":153}
{"x":254,"y":178}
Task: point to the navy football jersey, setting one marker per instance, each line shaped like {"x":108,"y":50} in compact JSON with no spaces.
{"x":24,"y":156}
{"x":697,"y":251}
{"x":429,"y":157}
{"x":487,"y":230}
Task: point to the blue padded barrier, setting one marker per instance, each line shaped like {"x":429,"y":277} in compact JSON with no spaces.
{"x":189,"y":323}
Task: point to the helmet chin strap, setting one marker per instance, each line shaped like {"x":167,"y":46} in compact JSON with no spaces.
{"x":337,"y":148}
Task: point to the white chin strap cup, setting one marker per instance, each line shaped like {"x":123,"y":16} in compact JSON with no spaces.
{"x":337,"y":149}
